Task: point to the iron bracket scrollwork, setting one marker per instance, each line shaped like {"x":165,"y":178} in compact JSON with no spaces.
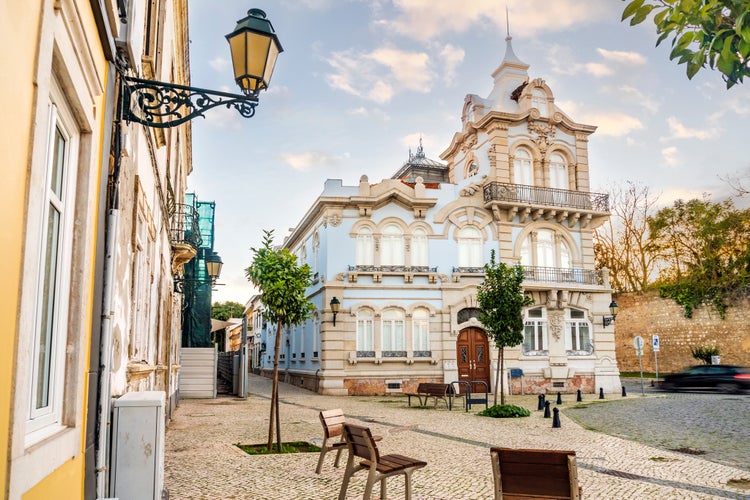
{"x":165,"y":105}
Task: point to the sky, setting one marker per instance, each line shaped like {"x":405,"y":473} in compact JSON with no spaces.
{"x":360,"y":82}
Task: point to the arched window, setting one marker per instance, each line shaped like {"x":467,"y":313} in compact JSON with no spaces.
{"x":420,"y":331}
{"x":472,"y":168}
{"x":364,"y":331}
{"x":419,"y":248}
{"x":577,"y":333}
{"x":535,"y":331}
{"x":393,"y":332}
{"x":539,"y":101}
{"x":470,"y":246}
{"x":392,"y":246}
{"x":544,"y":248}
{"x":316,"y":336}
{"x":365,"y":248}
{"x":316,"y":252}
{"x":558,"y":172}
{"x":302,"y":255}
{"x":523,"y":167}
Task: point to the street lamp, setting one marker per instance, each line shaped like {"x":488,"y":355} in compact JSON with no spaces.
{"x":254,"y":47}
{"x":613,"y":311}
{"x":213,"y":271}
{"x":335,"y":308}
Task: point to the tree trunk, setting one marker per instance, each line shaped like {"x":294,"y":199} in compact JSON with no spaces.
{"x":502,"y":377}
{"x":274,"y":417}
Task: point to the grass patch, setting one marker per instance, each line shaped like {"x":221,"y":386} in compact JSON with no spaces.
{"x":504,"y":411}
{"x":289,"y":447}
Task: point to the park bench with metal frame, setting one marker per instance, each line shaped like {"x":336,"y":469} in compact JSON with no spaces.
{"x":542,"y":474}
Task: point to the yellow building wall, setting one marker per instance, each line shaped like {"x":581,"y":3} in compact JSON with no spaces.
{"x":19,"y":28}
{"x":68,"y":479}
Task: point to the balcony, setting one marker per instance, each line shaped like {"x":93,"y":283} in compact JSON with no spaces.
{"x":408,"y":272}
{"x":531,"y":203}
{"x":184,"y":235}
{"x":571,"y":276}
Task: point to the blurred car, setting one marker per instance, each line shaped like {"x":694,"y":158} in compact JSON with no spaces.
{"x":724,"y":378}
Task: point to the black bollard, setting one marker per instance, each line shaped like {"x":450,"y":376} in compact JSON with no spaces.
{"x":546,"y":409}
{"x":601,"y":393}
{"x":559,"y":399}
{"x":540,"y":406}
{"x":556,"y":419}
{"x":578,"y":396}
{"x":624,"y":392}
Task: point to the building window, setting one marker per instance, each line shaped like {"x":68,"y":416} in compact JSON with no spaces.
{"x":393,"y":332}
{"x":539,"y":101}
{"x":472,"y":168}
{"x":365,"y":249}
{"x":420,"y":331}
{"x":545,"y":248}
{"x":302,"y":255}
{"x":364,"y":331}
{"x":577,"y":332}
{"x":470,"y":247}
{"x":55,"y":254}
{"x":523,"y":167}
{"x":558,"y":172}
{"x":392,"y":246}
{"x":419,"y":248}
{"x":535,"y":331}
{"x":316,"y":336}
{"x":315,"y":252}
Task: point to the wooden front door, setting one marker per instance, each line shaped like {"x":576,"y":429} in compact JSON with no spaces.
{"x":472,"y":353}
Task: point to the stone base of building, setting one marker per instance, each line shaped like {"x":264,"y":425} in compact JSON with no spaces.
{"x":540,"y":385}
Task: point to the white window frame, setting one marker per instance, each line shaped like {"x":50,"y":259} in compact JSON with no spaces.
{"x":392,"y":330}
{"x":539,"y":101}
{"x":420,"y":329}
{"x":316,"y":336}
{"x":392,"y":246}
{"x":523,"y":167}
{"x":420,"y":256}
{"x":470,"y":247}
{"x":365,"y":251}
{"x":365,"y":332}
{"x":578,"y":338}
{"x":535,"y":331}
{"x":545,"y":248}
{"x":48,"y":417}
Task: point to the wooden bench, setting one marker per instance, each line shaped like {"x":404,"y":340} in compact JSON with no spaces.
{"x":333,"y":425}
{"x":361,"y":444}
{"x":428,"y":390}
{"x":525,"y":474}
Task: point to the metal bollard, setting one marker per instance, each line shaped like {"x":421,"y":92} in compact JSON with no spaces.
{"x":578,"y":396}
{"x":559,"y":399}
{"x":540,"y":406}
{"x":546,"y":409}
{"x":556,"y":419}
{"x":624,"y":392}
{"x":601,"y":393}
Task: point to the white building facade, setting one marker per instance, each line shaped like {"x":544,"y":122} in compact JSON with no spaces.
{"x":404,"y":257}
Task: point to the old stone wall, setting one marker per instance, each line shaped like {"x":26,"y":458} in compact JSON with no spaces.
{"x":648,"y":314}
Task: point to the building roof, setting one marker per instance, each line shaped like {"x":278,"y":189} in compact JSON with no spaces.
{"x":418,"y":165}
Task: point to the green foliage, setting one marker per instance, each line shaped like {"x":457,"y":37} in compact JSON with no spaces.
{"x":704,"y":353}
{"x":225,"y":310}
{"x":504,"y":411}
{"x":706,"y":250}
{"x":288,"y":447}
{"x":713,"y":33}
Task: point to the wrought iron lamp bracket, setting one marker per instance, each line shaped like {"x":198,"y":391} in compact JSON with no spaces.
{"x":165,"y":105}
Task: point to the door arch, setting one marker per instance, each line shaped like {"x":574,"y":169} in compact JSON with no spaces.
{"x":473,"y":357}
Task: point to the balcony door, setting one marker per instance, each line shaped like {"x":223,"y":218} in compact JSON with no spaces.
{"x":472,"y":353}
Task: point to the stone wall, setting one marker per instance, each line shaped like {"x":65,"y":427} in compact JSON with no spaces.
{"x":649,"y":314}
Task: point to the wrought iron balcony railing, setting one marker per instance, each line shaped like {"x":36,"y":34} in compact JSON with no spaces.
{"x":393,"y":269}
{"x":544,"y":196}
{"x":184,"y":227}
{"x":563,"y":275}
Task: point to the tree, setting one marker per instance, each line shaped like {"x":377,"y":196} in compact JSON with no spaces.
{"x":703,"y":32}
{"x":282,"y":285}
{"x":622,"y":244}
{"x":501,"y":302}
{"x":225,"y":310}
{"x":706,"y":248}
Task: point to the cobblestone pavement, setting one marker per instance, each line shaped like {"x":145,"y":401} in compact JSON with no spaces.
{"x":202,"y":462}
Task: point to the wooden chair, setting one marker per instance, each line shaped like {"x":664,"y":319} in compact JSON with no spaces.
{"x":362,"y":445}
{"x":333,"y":425}
{"x":541,"y":474}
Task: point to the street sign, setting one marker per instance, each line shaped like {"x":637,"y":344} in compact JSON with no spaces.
{"x":638,"y":342}
{"x":655,"y":342}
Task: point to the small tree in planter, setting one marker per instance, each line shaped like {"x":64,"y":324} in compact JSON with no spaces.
{"x":501,"y":302}
{"x":704,"y":353}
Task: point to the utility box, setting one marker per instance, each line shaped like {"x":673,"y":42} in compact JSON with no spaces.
{"x":137,"y":461}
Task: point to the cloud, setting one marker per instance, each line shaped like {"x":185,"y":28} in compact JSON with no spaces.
{"x":612,"y":124}
{"x":219,"y":63}
{"x":679,"y":131}
{"x":427,"y":19}
{"x":632,"y":94}
{"x":669,"y":156}
{"x":370,"y":112}
{"x":622,"y":56}
{"x":304,"y":161}
{"x":598,"y":69}
{"x":377,"y":75}
{"x":451,"y":57}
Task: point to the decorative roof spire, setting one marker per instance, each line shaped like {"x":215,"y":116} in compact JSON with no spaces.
{"x":420,"y":149}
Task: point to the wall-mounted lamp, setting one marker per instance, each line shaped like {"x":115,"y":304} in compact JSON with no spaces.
{"x":335,"y":308}
{"x":613,"y":311}
{"x":254,"y":47}
{"x":213,"y":270}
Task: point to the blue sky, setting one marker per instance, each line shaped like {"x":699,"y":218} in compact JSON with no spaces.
{"x":359,"y":82}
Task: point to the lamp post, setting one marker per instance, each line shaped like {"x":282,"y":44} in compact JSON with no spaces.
{"x":335,"y":304}
{"x":254,"y":47}
{"x":213,"y":271}
{"x":613,"y":311}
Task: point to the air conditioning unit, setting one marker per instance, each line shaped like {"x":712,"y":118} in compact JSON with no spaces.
{"x":137,"y":460}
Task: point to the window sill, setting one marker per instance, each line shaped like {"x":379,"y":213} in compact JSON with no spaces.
{"x":378,"y":359}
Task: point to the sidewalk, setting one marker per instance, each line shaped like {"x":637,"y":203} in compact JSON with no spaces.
{"x":201,"y":460}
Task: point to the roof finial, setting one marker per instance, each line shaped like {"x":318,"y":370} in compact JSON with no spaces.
{"x":420,"y":150}
{"x":507,"y":24}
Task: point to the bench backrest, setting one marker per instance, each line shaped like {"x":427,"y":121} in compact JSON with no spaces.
{"x":333,"y":422}
{"x":361,"y":442}
{"x":546,"y":473}
{"x":433,"y":388}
